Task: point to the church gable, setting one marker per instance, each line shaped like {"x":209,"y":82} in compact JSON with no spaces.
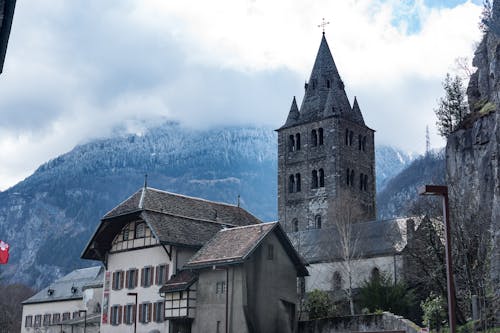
{"x":135,"y":234}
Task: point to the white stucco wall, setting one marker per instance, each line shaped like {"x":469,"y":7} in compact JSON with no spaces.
{"x":135,"y":258}
{"x":49,"y":308}
{"x":321,"y":274}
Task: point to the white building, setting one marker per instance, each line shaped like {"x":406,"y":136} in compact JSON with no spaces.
{"x":70,"y":304}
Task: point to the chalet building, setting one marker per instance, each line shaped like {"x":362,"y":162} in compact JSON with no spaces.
{"x":157,"y":247}
{"x":70,"y":304}
{"x":326,"y":188}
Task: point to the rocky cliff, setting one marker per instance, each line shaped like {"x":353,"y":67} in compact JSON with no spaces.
{"x":473,"y":151}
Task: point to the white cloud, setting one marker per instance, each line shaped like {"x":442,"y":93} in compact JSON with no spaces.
{"x":82,"y":69}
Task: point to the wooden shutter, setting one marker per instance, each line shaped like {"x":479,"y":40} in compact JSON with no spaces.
{"x":142,"y":277}
{"x":120,"y":314}
{"x":149,"y":311}
{"x":113,"y":286}
{"x":122,"y":278}
{"x":134,"y":311}
{"x":127,"y":278}
{"x":157,"y":273}
{"x":154,"y":313}
{"x":151,"y":275}
{"x":136,"y":276}
{"x":140,"y":313}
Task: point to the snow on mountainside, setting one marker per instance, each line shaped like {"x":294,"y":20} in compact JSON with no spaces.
{"x":389,"y":161}
{"x":49,"y":217}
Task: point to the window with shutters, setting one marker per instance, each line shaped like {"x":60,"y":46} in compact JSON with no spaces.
{"x":118,"y":280}
{"x":116,"y":315}
{"x":38,"y":320}
{"x":147,"y":276}
{"x":66,"y":315}
{"x":56,"y":318}
{"x":76,"y":314}
{"x":131,"y":278}
{"x":145,"y":313}
{"x":159,"y":312}
{"x":129,"y":314}
{"x":161,"y":274}
{"x":46,"y":319}
{"x":28,"y":322}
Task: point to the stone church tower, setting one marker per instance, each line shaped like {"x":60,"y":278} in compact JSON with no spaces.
{"x":324,"y":150}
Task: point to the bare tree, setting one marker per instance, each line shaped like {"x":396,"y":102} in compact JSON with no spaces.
{"x":343,"y":214}
{"x":11,"y":308}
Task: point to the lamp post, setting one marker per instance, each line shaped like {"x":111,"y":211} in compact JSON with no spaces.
{"x":84,"y":320}
{"x":135,"y":307}
{"x":442,"y":191}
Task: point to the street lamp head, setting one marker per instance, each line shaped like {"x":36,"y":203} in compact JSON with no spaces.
{"x":131,"y":294}
{"x":433,"y":190}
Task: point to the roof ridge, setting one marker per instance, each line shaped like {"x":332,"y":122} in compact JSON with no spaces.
{"x":186,"y":217}
{"x":194,"y":198}
{"x":251,"y":226}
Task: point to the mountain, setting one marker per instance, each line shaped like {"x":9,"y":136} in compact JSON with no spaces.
{"x":389,"y":161}
{"x":401,"y":191}
{"x":49,"y":217}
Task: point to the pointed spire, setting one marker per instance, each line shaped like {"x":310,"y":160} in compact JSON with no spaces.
{"x":324,"y":78}
{"x":357,"y":116}
{"x":294,"y":114}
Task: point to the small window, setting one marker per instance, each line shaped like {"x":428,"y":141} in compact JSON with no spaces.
{"x":320,"y":136}
{"x":270,"y":252}
{"x":145,"y":313}
{"x":66,"y":316}
{"x":291,"y":143}
{"x":346,"y":137}
{"x":364,"y":143}
{"x":38,"y":320}
{"x":126,"y":232}
{"x":118,"y":280}
{"x":361,"y":180}
{"x":351,"y":135}
{"x":129,"y":314}
{"x":321,"y":178}
{"x":46,"y":319}
{"x":348,"y":177}
{"x":302,"y":286}
{"x":317,"y":221}
{"x":147,"y":276}
{"x":218,"y":327}
{"x":297,"y":141}
{"x":220,"y":287}
{"x":28,"y":322}
{"x":352,"y":178}
{"x":360,"y":141}
{"x":337,"y":281}
{"x":298,"y":182}
{"x":161,"y":274}
{"x":365,"y":182}
{"x":328,"y":83}
{"x":56,"y":318}
{"x":314,"y":138}
{"x":314,"y":83}
{"x":140,"y":230}
{"x":291,"y":184}
{"x":116,"y":315}
{"x":159,"y":312}
{"x":295,"y":225}
{"x":314,"y":176}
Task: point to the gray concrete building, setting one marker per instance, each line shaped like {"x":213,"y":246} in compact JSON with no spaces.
{"x":325,"y":151}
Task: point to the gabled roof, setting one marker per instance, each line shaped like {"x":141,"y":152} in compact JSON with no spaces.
{"x":174,"y":219}
{"x":375,"y":238}
{"x":179,"y":282}
{"x":6,"y":16}
{"x":235,"y":245}
{"x":61,"y":290}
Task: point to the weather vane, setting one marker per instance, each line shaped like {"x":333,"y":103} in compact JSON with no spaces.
{"x":323,"y":25}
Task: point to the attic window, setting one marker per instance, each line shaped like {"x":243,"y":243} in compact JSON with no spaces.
{"x":126,"y":232}
{"x":140,"y":230}
{"x":50,"y":292}
{"x":74,"y":290}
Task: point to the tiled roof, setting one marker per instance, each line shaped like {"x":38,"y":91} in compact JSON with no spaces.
{"x":180,"y":205}
{"x":373,"y":238}
{"x":179,"y":282}
{"x":234,"y":245}
{"x":6,"y":15}
{"x":61,"y":290}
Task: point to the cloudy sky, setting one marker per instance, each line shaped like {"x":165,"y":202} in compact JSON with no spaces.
{"x":81,"y":69}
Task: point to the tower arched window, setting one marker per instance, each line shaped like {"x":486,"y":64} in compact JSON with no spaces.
{"x":317,"y":221}
{"x":295,"y":225}
{"x":291,"y":143}
{"x":314,"y":138}
{"x":314,"y":179}
{"x":351,"y":178}
{"x":348,"y":177}
{"x":328,"y":83}
{"x":291,"y":183}
{"x":297,"y":141}
{"x":337,"y":281}
{"x":364,"y":143}
{"x":346,"y":137}
{"x":321,"y":178}
{"x":320,"y":136}
{"x":365,"y":182}
{"x":360,"y":141}
{"x":351,"y":137}
{"x":298,"y":182}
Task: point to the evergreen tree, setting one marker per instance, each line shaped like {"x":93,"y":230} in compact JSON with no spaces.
{"x":452,"y":108}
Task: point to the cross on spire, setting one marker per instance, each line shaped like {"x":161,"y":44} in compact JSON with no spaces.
{"x":323,"y":25}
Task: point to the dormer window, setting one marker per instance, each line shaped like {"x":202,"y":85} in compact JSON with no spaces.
{"x":50,"y":292}
{"x":74,"y":290}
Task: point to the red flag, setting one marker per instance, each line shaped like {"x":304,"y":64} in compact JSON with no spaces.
{"x":4,"y":252}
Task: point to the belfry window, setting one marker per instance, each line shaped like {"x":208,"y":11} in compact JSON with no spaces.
{"x":314,"y":138}
{"x":291,"y":183}
{"x":298,"y":182}
{"x":346,"y":137}
{"x":351,"y":180}
{"x":365,"y":182}
{"x":348,"y":177}
{"x":297,"y":141}
{"x":360,"y":141}
{"x":295,"y":225}
{"x":314,"y":179}
{"x":351,"y":137}
{"x":321,"y":178}
{"x":317,"y":221}
{"x":291,"y":143}
{"x":328,"y":83}
{"x":320,"y":136}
